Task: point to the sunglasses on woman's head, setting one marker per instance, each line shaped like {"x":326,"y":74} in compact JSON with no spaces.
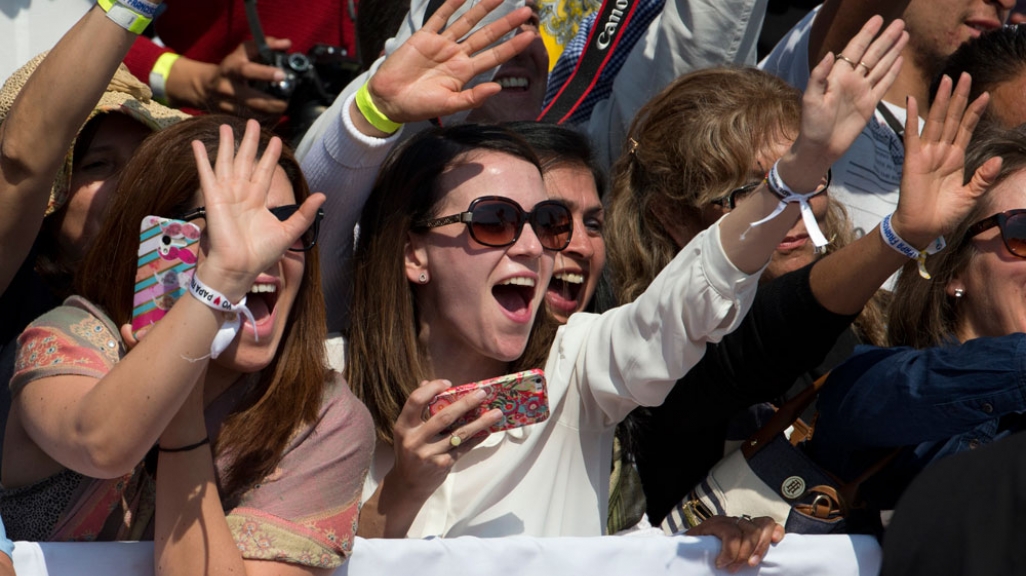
{"x":497,"y":222}
{"x":1013,"y":229}
{"x":738,"y":195}
{"x":305,"y":242}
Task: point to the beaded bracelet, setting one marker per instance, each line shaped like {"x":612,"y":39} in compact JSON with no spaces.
{"x":787,"y":196}
{"x":376,"y":118}
{"x":232,"y":322}
{"x":892,"y":239}
{"x":124,"y":16}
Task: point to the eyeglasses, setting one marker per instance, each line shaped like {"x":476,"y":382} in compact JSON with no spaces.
{"x":497,"y":222}
{"x":738,"y":195}
{"x":1013,"y":229}
{"x":305,"y":242}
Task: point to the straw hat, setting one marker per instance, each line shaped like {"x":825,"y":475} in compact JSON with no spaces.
{"x":125,"y":94}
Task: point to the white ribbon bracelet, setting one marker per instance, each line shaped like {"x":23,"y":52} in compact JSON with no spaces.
{"x":788,"y":196}
{"x":892,"y":239}
{"x":232,"y":322}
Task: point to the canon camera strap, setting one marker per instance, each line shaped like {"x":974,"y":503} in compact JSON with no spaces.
{"x":610,"y":23}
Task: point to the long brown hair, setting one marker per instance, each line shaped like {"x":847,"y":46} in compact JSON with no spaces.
{"x":384,"y":359}
{"x":161,"y":179}
{"x":922,"y":314}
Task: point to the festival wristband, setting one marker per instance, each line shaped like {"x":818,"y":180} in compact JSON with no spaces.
{"x":892,"y":239}
{"x":371,"y":113}
{"x":159,"y":74}
{"x":787,"y":196}
{"x":143,"y":8}
{"x":124,"y":16}
{"x":232,"y":322}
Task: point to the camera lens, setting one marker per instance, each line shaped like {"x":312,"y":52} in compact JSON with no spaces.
{"x":298,"y":62}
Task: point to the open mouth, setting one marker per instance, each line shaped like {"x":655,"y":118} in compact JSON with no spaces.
{"x":564,"y":293}
{"x":515,"y":295}
{"x":261,"y":300}
{"x":514,"y":83}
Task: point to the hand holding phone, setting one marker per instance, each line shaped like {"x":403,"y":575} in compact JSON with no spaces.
{"x":521,"y":397}
{"x":167,"y":259}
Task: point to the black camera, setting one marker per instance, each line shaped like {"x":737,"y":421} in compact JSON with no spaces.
{"x":312,"y":80}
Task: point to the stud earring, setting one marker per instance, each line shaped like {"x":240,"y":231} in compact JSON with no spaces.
{"x":959,"y":292}
{"x":423,"y":278}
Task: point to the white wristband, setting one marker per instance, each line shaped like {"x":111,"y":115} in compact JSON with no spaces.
{"x":788,"y":196}
{"x":891,"y":238}
{"x":232,"y":322}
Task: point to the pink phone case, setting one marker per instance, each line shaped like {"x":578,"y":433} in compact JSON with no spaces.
{"x":521,"y":397}
{"x":167,"y":259}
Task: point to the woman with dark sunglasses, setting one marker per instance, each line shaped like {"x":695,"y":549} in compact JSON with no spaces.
{"x":954,"y":379}
{"x":219,"y":433}
{"x":435,"y":306}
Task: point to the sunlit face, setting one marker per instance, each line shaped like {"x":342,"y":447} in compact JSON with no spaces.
{"x":938,"y":27}
{"x":796,"y":249}
{"x":94,"y":177}
{"x":476,"y":304}
{"x":524,"y":79}
{"x":270,"y":299}
{"x":994,"y":282}
{"x":579,"y":267}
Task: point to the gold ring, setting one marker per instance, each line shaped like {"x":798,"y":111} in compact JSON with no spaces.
{"x":866,"y":66}
{"x":854,"y":65}
{"x":455,"y":440}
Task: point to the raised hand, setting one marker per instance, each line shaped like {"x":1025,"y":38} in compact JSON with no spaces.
{"x":841,"y":97}
{"x":424,"y":78}
{"x":934,"y":196}
{"x":244,"y":237}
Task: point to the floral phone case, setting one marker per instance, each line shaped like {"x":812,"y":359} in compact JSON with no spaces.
{"x":167,"y":259}
{"x":521,"y":397}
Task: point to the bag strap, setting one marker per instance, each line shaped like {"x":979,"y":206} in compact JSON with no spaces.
{"x":784,"y":417}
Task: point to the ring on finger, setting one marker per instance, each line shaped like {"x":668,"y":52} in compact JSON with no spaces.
{"x":866,"y":66}
{"x":745,"y":517}
{"x":455,"y":440}
{"x":854,"y":64}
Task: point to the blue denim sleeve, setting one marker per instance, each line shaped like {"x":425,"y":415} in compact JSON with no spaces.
{"x":886,"y":397}
{"x":6,"y":546}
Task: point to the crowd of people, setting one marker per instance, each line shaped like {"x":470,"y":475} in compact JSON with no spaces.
{"x":701,"y":241}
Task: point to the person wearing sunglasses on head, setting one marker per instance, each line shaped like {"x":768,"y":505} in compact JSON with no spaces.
{"x":954,"y":379}
{"x":234,"y":448}
{"x":433,"y":306}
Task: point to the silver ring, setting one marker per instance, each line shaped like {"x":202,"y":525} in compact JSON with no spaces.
{"x":866,"y":66}
{"x":742,"y":517}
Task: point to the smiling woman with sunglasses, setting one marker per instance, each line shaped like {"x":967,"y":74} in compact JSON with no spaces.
{"x":233,"y":448}
{"x":434,"y":306}
{"x":954,"y":380}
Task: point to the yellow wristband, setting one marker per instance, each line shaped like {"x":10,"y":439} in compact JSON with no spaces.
{"x":371,"y":112}
{"x":124,"y":16}
{"x":159,"y":73}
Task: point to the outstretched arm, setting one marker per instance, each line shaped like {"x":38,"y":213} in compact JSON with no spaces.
{"x":44,"y":119}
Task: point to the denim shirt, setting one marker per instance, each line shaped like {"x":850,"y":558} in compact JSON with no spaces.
{"x":934,"y":402}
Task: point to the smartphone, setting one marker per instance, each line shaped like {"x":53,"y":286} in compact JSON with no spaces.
{"x":521,"y":397}
{"x":167,"y":259}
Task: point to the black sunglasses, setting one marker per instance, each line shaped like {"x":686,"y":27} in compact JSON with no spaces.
{"x":497,"y":222}
{"x":737,"y":195}
{"x":305,"y":242}
{"x":1013,"y":229}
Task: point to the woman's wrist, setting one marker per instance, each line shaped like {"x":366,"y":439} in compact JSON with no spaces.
{"x":798,"y":169}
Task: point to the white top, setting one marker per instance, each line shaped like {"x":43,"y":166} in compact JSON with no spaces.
{"x":866,"y":179}
{"x":552,"y":478}
{"x":342,"y":163}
